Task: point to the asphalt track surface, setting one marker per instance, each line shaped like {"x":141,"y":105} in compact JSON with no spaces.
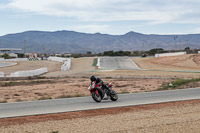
{"x":117,"y":63}
{"x":6,"y":64}
{"x":87,"y":103}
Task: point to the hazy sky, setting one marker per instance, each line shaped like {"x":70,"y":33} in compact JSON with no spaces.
{"x":104,"y":16}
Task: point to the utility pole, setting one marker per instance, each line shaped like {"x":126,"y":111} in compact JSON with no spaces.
{"x":43,"y":49}
{"x":175,"y":37}
{"x":24,"y":47}
{"x":142,"y":46}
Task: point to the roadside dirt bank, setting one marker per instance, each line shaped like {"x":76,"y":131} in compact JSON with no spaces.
{"x":182,"y":116}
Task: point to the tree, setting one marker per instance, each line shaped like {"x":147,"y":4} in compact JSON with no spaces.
{"x":156,"y":51}
{"x":5,"y":56}
{"x":89,"y":52}
{"x":187,"y":48}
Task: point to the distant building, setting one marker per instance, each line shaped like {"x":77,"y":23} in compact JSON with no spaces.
{"x":9,"y":51}
{"x":31,"y":55}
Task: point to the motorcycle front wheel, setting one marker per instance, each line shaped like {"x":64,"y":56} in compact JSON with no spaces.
{"x":96,"y":97}
{"x":113,"y":95}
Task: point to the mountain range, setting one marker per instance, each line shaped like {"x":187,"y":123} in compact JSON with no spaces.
{"x":76,"y":42}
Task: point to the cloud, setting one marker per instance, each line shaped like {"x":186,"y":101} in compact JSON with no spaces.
{"x":156,"y":11}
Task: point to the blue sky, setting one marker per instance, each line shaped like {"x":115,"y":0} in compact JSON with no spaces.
{"x":105,"y":16}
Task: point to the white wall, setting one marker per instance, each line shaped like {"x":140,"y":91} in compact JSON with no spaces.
{"x":198,"y":52}
{"x":29,"y":73}
{"x":1,"y":74}
{"x":170,"y":54}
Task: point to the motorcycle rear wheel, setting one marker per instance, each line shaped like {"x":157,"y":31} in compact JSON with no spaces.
{"x":96,"y":97}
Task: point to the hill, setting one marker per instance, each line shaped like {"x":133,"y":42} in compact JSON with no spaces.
{"x":76,"y":42}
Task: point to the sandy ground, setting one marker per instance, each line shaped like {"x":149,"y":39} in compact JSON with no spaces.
{"x":29,"y":90}
{"x":176,"y":117}
{"x":79,"y":66}
{"x":182,"y":62}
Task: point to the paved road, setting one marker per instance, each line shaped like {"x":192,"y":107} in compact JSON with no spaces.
{"x":117,"y":63}
{"x":6,"y":64}
{"x":86,"y":103}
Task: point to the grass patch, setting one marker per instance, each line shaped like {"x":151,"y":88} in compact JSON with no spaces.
{"x":177,"y":83}
{"x":94,"y":62}
{"x":64,"y":96}
{"x":54,"y":132}
{"x":44,"y":98}
{"x":4,"y":101}
{"x":18,"y":100}
{"x":79,"y":95}
{"x":11,"y":83}
{"x":124,"y":91}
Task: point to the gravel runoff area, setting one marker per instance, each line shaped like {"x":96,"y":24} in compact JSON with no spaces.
{"x":176,"y":117}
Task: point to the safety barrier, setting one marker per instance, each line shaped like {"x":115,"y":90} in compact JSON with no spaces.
{"x":59,"y":59}
{"x":1,"y":74}
{"x":29,"y":73}
{"x":33,"y":59}
{"x":170,"y":54}
{"x":98,"y":63}
{"x":1,"y":59}
{"x":66,"y":65}
{"x":66,"y":62}
{"x":198,"y":52}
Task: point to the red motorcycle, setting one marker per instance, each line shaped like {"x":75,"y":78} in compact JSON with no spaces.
{"x":102,"y":92}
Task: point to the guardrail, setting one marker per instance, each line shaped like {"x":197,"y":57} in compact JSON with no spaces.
{"x":29,"y":73}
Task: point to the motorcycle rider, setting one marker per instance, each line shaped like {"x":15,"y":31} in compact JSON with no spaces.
{"x":101,"y":83}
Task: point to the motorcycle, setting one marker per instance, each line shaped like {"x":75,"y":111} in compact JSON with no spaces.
{"x":102,"y":92}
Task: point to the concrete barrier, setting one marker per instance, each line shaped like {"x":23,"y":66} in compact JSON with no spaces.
{"x":66,"y":65}
{"x":170,"y":54}
{"x":59,"y":59}
{"x":66,"y":62}
{"x":198,"y":52}
{"x":98,"y":63}
{"x":1,"y":74}
{"x":29,"y":73}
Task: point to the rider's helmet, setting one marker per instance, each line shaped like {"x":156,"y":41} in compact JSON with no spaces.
{"x":92,"y":78}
